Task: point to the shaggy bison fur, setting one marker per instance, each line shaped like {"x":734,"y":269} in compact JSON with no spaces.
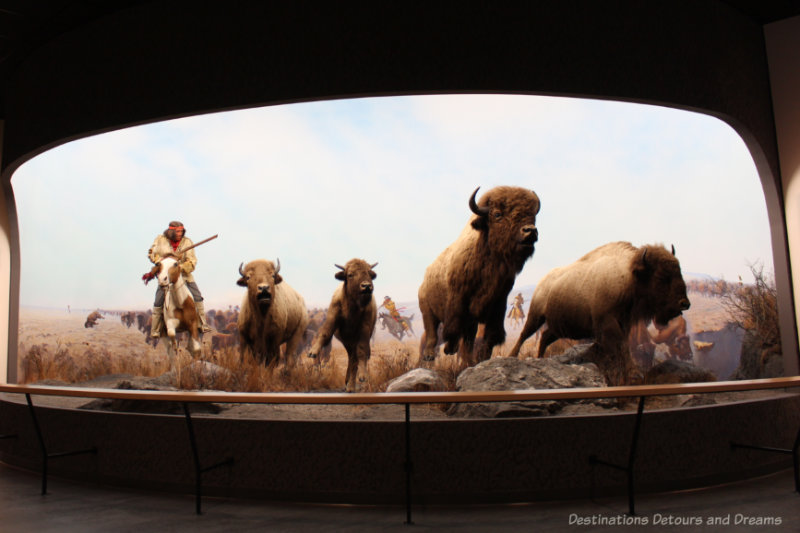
{"x":601,"y":296}
{"x":468,"y":283}
{"x":272,"y":313}
{"x":351,"y":318}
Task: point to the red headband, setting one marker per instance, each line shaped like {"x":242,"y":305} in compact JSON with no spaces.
{"x":177,"y":227}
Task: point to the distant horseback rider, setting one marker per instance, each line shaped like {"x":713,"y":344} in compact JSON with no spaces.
{"x":516,"y":313}
{"x":172,"y":242}
{"x":390,"y":306}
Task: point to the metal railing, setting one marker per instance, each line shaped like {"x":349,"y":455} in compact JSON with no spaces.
{"x":407,"y":399}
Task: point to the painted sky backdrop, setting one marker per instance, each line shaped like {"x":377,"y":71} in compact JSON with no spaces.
{"x":385,"y":179}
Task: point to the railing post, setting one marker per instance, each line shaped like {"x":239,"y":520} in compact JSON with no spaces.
{"x":46,"y":456}
{"x":408,"y":465}
{"x":198,"y":469}
{"x":593,"y":460}
{"x":793,"y":452}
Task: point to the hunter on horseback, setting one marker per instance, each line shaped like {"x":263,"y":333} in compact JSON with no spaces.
{"x":390,"y":306}
{"x":174,"y":242}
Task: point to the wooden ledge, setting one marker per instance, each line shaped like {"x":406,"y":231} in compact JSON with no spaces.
{"x":408,"y":397}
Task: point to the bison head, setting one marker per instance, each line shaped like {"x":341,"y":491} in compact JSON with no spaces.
{"x":260,"y":277}
{"x":660,"y":285}
{"x":507,"y":216}
{"x":357,"y":276}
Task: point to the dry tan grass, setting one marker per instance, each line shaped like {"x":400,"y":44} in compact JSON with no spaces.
{"x":75,"y":364}
{"x":57,"y":347}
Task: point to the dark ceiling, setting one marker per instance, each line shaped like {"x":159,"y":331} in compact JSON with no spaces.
{"x":24,"y":25}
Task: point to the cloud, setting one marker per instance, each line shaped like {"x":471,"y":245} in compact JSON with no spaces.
{"x":385,"y":179}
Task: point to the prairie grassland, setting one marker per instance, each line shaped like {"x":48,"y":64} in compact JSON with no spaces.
{"x":56,"y":346}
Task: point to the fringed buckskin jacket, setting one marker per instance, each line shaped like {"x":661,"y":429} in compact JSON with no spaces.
{"x":162,"y":247}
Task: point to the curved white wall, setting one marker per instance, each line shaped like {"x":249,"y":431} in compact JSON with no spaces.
{"x":783,"y":50}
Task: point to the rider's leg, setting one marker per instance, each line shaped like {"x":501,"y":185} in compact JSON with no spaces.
{"x":158,"y":314}
{"x":198,"y":303}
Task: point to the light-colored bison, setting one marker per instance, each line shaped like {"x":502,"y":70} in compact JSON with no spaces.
{"x":601,"y":296}
{"x":351,"y":318}
{"x":272,"y":313}
{"x":469,"y":282}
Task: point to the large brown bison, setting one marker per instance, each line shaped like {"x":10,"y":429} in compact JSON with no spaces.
{"x":601,"y":296}
{"x":470,"y":280}
{"x":272,"y":313}
{"x":351,"y":318}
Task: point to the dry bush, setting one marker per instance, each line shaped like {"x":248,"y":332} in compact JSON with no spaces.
{"x":388,"y":361}
{"x":77,"y":364}
{"x":754,"y":308}
{"x":449,"y":367}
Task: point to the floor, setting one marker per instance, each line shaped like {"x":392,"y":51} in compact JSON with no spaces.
{"x":768,"y":503}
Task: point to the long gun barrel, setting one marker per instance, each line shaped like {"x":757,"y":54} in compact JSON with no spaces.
{"x":195,"y":245}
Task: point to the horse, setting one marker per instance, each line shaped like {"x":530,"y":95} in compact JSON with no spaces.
{"x":396,"y":327}
{"x":180,"y":313}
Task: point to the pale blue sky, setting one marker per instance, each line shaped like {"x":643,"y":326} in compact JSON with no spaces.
{"x":384,"y":179}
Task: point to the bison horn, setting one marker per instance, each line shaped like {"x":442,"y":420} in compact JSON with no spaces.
{"x":373,"y":265}
{"x":474,"y":206}
{"x":340,"y":267}
{"x":278,"y":268}
{"x":240,"y":269}
{"x":673,"y":249}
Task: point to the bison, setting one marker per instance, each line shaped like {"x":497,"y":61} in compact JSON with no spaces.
{"x":91,"y":320}
{"x":272,"y":313}
{"x":601,"y":296}
{"x":220,"y":341}
{"x":351,"y":318}
{"x":316,"y":317}
{"x":469,"y":282}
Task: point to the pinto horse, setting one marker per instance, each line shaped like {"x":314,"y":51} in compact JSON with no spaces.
{"x":180,"y":313}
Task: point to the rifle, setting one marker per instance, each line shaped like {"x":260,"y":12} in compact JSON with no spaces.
{"x":195,"y":245}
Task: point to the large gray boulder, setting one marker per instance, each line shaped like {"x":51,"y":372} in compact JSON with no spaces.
{"x":417,"y":380}
{"x":674,"y":371}
{"x":512,"y":374}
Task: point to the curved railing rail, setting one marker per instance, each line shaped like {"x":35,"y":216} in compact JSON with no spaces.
{"x":408,"y":397}
{"x":187,"y":397}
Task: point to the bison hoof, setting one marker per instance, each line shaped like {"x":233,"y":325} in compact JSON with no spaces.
{"x":451,"y":347}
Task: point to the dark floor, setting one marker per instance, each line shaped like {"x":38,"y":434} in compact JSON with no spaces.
{"x":69,"y":506}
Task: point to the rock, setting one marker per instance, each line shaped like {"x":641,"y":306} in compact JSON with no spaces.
{"x":577,"y":355}
{"x":147,"y":406}
{"x":674,"y":371}
{"x":759,"y":360}
{"x":417,"y":380}
{"x":508,"y":374}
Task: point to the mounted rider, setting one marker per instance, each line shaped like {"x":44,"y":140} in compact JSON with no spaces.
{"x":172,"y":242}
{"x":390,"y":306}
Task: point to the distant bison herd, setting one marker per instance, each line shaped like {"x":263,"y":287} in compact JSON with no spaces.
{"x":462,"y":298}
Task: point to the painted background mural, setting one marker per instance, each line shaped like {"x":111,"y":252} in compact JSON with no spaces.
{"x":387,"y":180}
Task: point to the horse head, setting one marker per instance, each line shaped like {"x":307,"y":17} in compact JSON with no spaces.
{"x":169,"y":271}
